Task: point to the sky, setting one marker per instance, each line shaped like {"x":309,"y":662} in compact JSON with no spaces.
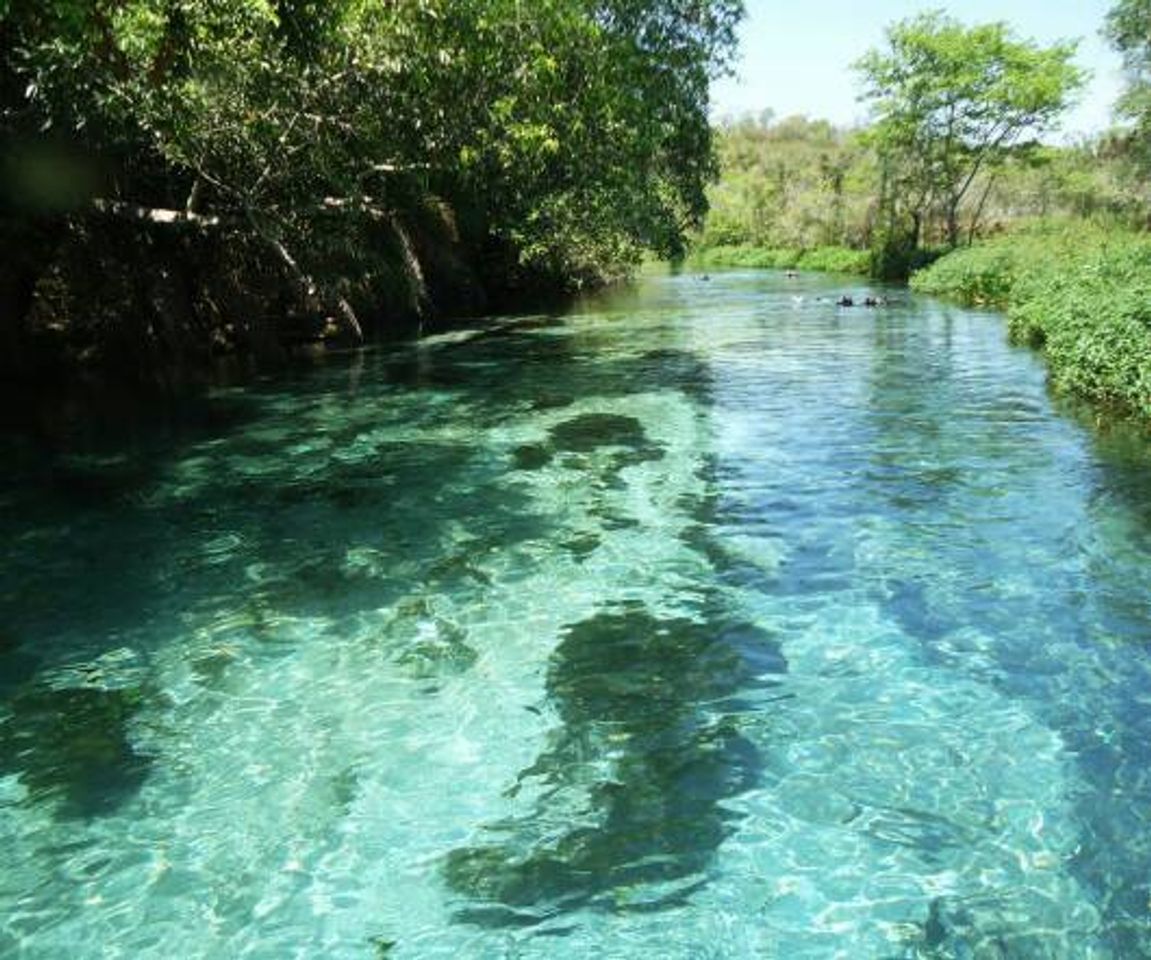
{"x":796,"y":55}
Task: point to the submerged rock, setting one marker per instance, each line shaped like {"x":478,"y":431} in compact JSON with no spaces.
{"x":590,"y":431}
{"x":531,"y":456}
{"x":552,"y":401}
{"x":582,"y":545}
{"x":435,"y":647}
{"x":73,"y":746}
{"x":636,"y":774}
{"x":17,"y":666}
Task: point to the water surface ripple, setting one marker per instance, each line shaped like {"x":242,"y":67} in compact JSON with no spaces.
{"x":708,"y":621}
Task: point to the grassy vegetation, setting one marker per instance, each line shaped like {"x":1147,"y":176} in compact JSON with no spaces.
{"x":828,"y":259}
{"x":1079,"y":291}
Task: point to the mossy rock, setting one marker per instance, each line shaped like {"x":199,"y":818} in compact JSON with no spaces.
{"x":73,"y":746}
{"x":591,"y":431}
{"x":531,"y":456}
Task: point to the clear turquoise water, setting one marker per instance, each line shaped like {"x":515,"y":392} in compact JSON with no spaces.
{"x":703,"y":622}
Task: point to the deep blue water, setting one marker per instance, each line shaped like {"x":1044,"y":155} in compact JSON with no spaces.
{"x":709,"y":620}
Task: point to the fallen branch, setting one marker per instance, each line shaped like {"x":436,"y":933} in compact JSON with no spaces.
{"x":157,"y":215}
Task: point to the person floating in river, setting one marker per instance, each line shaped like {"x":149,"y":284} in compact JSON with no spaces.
{"x":868,"y":301}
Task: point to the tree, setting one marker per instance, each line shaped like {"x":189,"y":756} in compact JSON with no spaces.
{"x":949,"y":103}
{"x":1128,"y":27}
{"x":562,"y":137}
{"x":792,"y":183}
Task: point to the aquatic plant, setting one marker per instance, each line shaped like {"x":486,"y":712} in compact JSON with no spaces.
{"x":73,"y":746}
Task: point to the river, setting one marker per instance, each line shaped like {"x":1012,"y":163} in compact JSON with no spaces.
{"x":706,"y":620}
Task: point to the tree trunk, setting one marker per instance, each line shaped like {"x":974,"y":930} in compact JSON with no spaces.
{"x":953,"y":223}
{"x":310,"y":288}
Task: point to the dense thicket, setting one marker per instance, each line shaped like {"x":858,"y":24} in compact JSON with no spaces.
{"x":196,"y":163}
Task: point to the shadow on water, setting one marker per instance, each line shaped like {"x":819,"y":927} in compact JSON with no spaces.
{"x":365,"y":484}
{"x":631,"y":789}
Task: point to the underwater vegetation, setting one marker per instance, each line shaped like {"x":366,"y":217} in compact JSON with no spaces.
{"x":648,"y":748}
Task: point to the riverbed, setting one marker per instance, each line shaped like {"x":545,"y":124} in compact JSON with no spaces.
{"x":708,"y":619}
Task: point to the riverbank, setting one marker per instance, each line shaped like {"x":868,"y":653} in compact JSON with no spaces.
{"x":183,"y":183}
{"x":820,"y":259}
{"x":1078,"y":292}
{"x":155,"y":299}
{"x":155,"y":303}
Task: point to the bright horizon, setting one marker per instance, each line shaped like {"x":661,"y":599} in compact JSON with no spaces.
{"x":796,"y":58}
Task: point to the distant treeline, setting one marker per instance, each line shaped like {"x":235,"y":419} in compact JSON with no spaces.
{"x":797,"y":184}
{"x":953,"y":152}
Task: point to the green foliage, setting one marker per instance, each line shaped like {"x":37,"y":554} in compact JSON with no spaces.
{"x":981,"y":274}
{"x":1080,"y":291}
{"x":745,"y":255}
{"x":797,"y":184}
{"x":1127,"y":29}
{"x":894,"y":256}
{"x":835,"y":260}
{"x":824,"y":259}
{"x":571,"y":134}
{"x":949,"y":102}
{"x":794,"y":183}
{"x":987,"y":272}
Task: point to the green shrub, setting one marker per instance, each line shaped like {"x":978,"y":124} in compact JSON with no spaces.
{"x":836,"y":260}
{"x":826,"y":259}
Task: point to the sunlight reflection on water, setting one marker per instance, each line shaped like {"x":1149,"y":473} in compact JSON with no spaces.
{"x":703,"y":623}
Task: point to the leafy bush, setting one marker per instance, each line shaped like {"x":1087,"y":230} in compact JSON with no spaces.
{"x":836,"y":260}
{"x":1080,"y":292}
{"x":746,"y":255}
{"x":825,"y":259}
{"x":980,"y":274}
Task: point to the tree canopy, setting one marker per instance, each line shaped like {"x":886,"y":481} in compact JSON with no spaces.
{"x":1128,"y":27}
{"x":951,"y":101}
{"x":573,"y":134}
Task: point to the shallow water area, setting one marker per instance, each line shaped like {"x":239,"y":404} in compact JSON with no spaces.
{"x":708,"y":620}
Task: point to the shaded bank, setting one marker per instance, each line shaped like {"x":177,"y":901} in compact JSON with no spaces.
{"x":151,"y":300}
{"x":181,"y":182}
